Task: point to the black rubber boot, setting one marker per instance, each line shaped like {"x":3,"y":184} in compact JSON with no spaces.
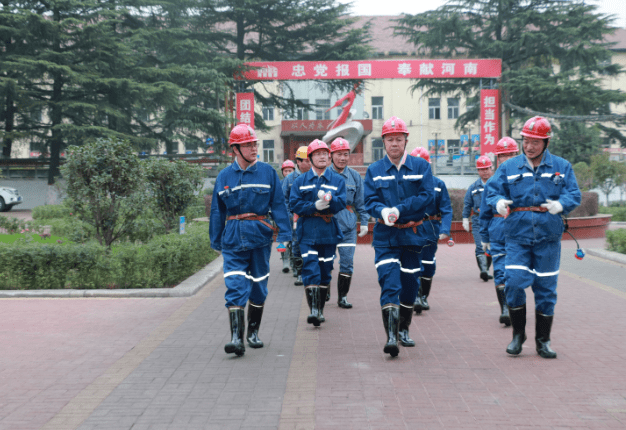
{"x":391,"y":316}
{"x":313,"y":299}
{"x":543,"y":326}
{"x":285,"y":257}
{"x":343,"y":286}
{"x":505,"y":318}
{"x":298,"y":264}
{"x":406,"y":315}
{"x":481,"y":260}
{"x":418,"y":305}
{"x":255,"y":313}
{"x":323,"y":289}
{"x":518,"y":320}
{"x":489,"y":260}
{"x":235,"y":314}
{"x":425,"y":284}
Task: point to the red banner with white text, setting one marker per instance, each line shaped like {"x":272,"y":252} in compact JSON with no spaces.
{"x":489,"y":121}
{"x":372,"y":69}
{"x":245,"y":108}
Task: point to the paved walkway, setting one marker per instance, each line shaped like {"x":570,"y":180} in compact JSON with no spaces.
{"x":159,"y":363}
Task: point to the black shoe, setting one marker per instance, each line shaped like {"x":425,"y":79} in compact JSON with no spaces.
{"x":313,"y":299}
{"x":406,"y":315}
{"x":255,"y":313}
{"x":391,"y":316}
{"x":518,"y":320}
{"x":543,"y":326}
{"x":505,"y":318}
{"x":298,"y":280}
{"x":343,"y":286}
{"x":481,"y":260}
{"x":235,"y":314}
{"x":425,"y":284}
{"x":323,"y":302}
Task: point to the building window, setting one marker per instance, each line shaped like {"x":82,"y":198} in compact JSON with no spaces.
{"x":434,"y":109}
{"x":453,"y":108}
{"x":377,"y":149}
{"x":321,"y":105}
{"x":268,"y":113}
{"x":454,"y":146}
{"x":268,"y":151}
{"x":377,"y":108}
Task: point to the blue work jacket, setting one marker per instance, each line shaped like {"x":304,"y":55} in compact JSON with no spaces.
{"x":410,"y":190}
{"x":491,"y":227}
{"x":254,"y":190}
{"x":313,"y":230}
{"x":472,"y":199}
{"x":516,"y":180}
{"x":443,"y":208}
{"x":287,"y":183}
{"x":354,"y":198}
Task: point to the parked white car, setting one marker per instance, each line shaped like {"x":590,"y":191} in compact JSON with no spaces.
{"x":9,"y":197}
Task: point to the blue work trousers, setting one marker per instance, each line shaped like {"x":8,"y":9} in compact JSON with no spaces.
{"x":398,"y":272}
{"x":498,"y":255}
{"x":429,"y":262}
{"x":535,"y":266}
{"x":317,"y":263}
{"x":245,"y":275}
{"x":346,"y":250}
{"x":476,"y":234}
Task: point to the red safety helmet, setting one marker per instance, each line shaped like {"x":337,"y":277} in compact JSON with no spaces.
{"x":394,"y":125}
{"x":339,"y":144}
{"x":421,"y":153}
{"x":483,"y":162}
{"x":315,"y":145}
{"x":287,"y":164}
{"x":537,"y":128}
{"x":506,"y":145}
{"x":242,"y":133}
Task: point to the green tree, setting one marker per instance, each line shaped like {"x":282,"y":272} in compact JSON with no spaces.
{"x":553,"y":53}
{"x":105,"y":186}
{"x":584,"y":176}
{"x":607,"y":174}
{"x":173,"y":185}
{"x":576,"y":142}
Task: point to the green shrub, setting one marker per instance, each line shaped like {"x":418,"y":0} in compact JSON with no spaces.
{"x":619,"y":213}
{"x":616,"y":240}
{"x":196,"y":208}
{"x":51,"y":212}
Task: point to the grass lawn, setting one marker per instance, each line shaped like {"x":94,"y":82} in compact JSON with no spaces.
{"x":12,"y":238}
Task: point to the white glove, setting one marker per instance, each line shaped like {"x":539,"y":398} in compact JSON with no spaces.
{"x":320,"y":194}
{"x":466,"y":224}
{"x":553,"y":206}
{"x":320,"y":205}
{"x":502,"y":206}
{"x":486,"y":246}
{"x":363,"y":231}
{"x":443,"y":236}
{"x":385,"y":214}
{"x":295,"y":225}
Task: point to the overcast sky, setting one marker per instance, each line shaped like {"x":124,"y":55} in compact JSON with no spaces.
{"x":396,"y":7}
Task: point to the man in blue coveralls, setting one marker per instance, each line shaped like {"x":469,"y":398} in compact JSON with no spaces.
{"x":437,"y":225}
{"x":244,"y":194}
{"x":316,"y":197}
{"x":286,"y":169}
{"x":471,"y":207}
{"x":340,"y":155}
{"x":303,"y":164}
{"x":532,"y":190}
{"x":492,"y":229}
{"x":398,"y":190}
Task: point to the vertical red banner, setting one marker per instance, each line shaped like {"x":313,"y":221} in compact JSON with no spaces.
{"x":245,"y":109}
{"x":489,"y":121}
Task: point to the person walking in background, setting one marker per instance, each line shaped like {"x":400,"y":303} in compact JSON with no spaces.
{"x":532,"y":190}
{"x":398,"y":192}
{"x":316,"y":197}
{"x":286,"y":168}
{"x":347,"y":218}
{"x":471,"y":207}
{"x":437,"y":223}
{"x":245,"y":194}
{"x":492,"y":229}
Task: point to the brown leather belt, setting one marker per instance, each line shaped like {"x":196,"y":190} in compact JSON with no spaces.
{"x":325,"y":217}
{"x":475,"y":213}
{"x":530,"y":208}
{"x":432,"y":218}
{"x":350,"y":208}
{"x":497,"y":216}
{"x":252,"y":217}
{"x":410,"y":224}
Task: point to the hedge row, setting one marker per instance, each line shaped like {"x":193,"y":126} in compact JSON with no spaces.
{"x":619,"y":213}
{"x":164,"y":261}
{"x":616,"y":240}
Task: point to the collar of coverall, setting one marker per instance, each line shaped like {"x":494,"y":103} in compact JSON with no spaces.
{"x":251,"y":167}
{"x":546,"y":159}
{"x":389,"y":163}
{"x":344,"y":173}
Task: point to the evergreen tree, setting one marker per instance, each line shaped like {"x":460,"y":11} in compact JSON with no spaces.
{"x":553,"y":53}
{"x":575,"y":142}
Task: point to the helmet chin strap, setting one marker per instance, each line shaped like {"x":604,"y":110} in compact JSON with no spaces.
{"x":239,"y":150}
